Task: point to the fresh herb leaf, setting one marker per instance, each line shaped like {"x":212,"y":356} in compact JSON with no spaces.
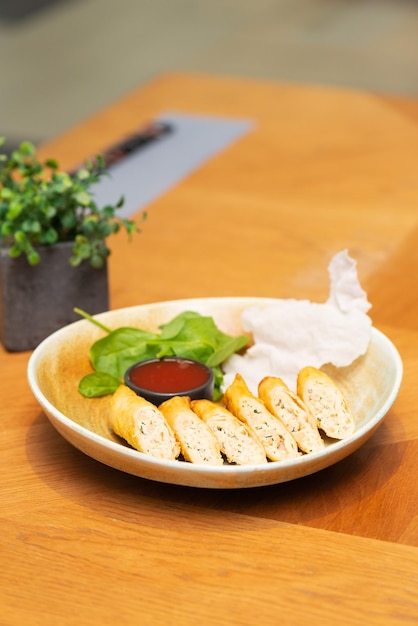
{"x":98,"y":384}
{"x":176,"y":325}
{"x":121,"y":348}
{"x":228,"y":346}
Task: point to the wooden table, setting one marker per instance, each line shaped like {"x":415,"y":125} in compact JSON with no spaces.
{"x":325,"y":169}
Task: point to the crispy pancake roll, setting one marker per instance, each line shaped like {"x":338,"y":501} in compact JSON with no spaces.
{"x":142,"y":425}
{"x":277,"y":442}
{"x":236,"y":440}
{"x":290,"y":410}
{"x":198,"y":443}
{"x":326,"y":402}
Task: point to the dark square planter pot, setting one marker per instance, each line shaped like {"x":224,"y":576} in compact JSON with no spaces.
{"x":37,"y":300}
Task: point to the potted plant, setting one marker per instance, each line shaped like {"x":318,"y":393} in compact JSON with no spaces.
{"x":53,"y":245}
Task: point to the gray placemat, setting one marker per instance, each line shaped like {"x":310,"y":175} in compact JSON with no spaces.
{"x":153,"y":169}
{"x":19,"y":10}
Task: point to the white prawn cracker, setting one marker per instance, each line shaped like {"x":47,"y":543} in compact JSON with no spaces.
{"x":289,"y":334}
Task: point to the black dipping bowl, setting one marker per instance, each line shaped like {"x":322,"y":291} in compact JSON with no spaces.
{"x":158,"y":380}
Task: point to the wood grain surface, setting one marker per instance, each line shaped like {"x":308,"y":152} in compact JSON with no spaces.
{"x":324,"y":170}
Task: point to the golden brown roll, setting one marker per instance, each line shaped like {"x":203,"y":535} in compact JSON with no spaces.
{"x":277,"y":442}
{"x":142,"y":425}
{"x":236,"y":440}
{"x":326,"y":402}
{"x":292,"y":412}
{"x":198,"y":443}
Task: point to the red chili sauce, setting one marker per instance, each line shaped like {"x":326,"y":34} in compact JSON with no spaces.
{"x":169,"y":375}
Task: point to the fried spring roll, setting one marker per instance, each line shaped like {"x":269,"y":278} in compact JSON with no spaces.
{"x":277,"y":442}
{"x":198,"y":443}
{"x":236,"y":440}
{"x":142,"y":425}
{"x":290,"y":410}
{"x":326,"y":402}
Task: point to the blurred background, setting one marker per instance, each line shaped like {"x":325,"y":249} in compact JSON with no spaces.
{"x":61,"y":60}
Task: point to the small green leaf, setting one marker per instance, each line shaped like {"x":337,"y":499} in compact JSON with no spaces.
{"x":33,"y":258}
{"x":82,"y":250}
{"x":27,"y":148}
{"x":6,"y":229}
{"x":98,"y":384}
{"x":89,"y":226}
{"x":15,"y":208}
{"x":82,"y":174}
{"x":50,"y":236}
{"x":49,"y":212}
{"x":15,"y":251}
{"x":20,"y":236}
{"x":108,"y":211}
{"x":75,"y":261}
{"x":31,"y":226}
{"x":97,"y":261}
{"x":6,"y":193}
{"x":81,"y":239}
{"x":104,"y":228}
{"x":82,"y":197}
{"x":61,"y":182}
{"x":100,"y":161}
{"x":69,"y":219}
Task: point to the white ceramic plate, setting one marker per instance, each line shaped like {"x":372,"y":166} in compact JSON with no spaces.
{"x":371,"y":385}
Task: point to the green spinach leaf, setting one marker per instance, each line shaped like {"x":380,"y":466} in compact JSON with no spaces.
{"x":98,"y":384}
